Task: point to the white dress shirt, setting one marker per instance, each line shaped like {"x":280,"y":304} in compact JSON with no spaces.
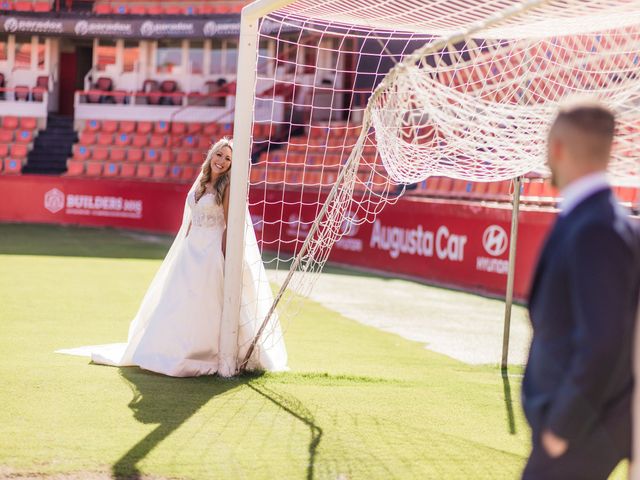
{"x":582,"y":188}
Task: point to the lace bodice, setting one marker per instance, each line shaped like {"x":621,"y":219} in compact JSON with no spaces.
{"x":206,"y":212}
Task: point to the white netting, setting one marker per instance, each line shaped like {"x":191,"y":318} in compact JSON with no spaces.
{"x":367,"y":97}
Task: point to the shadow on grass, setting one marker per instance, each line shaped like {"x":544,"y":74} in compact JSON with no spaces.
{"x":296,"y":408}
{"x":508,"y":402}
{"x":169,"y":402}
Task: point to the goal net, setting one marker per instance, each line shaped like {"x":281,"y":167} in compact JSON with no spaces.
{"x":369,"y":97}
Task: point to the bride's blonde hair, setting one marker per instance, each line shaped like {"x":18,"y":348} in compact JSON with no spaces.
{"x":223,"y":180}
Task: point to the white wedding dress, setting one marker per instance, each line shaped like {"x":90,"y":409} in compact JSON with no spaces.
{"x":177,"y":330}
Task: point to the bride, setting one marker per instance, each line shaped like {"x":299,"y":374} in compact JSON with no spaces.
{"x":176,"y":331}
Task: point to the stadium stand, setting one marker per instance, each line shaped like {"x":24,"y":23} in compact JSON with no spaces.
{"x":160,"y":151}
{"x":16,"y":140}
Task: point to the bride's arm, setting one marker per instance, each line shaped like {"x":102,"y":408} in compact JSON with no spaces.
{"x":225,"y":207}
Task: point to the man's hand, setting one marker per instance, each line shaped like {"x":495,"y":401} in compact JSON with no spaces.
{"x":553,"y":445}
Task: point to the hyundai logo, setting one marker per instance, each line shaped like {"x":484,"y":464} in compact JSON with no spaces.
{"x":495,"y":240}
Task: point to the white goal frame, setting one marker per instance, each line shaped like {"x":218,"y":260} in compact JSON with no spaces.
{"x":243,"y":121}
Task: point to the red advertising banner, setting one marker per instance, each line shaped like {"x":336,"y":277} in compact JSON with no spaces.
{"x":458,"y":244}
{"x":155,"y":207}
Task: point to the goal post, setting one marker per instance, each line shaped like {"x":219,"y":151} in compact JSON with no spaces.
{"x":238,"y":188}
{"x":343,"y":103}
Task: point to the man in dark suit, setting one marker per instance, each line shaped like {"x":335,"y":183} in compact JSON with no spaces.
{"x":578,"y":382}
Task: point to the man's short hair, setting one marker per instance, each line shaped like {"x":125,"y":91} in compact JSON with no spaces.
{"x":594,"y":122}
{"x":590,"y":117}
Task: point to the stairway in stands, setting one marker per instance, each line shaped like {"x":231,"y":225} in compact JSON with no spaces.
{"x":52,"y":147}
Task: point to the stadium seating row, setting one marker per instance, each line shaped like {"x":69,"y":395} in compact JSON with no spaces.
{"x":160,"y":127}
{"x":161,"y":172}
{"x":26,"y":6}
{"x":166,"y":8}
{"x":22,"y":123}
{"x":142,"y":140}
{"x":102,"y":153}
{"x":14,"y":150}
{"x":16,"y":138}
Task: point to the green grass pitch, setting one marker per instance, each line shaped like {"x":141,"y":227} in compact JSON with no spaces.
{"x":357,"y":404}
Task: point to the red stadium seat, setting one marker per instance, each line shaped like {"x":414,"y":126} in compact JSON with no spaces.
{"x":92,"y":125}
{"x":80,"y":152}
{"x":87,"y":138}
{"x":161,"y":127}
{"x":120,"y":9}
{"x":189,"y":173}
{"x":173,"y":10}
{"x":109,"y":126}
{"x":102,"y":9}
{"x":123,"y":139}
{"x":75,"y":167}
{"x":94,"y":169}
{"x":18,"y":150}
{"x":157,"y":141}
{"x":275,"y":175}
{"x":138,"y":10}
{"x":209,"y":9}
{"x":118,"y":96}
{"x":293,"y":176}
{"x":626,"y":194}
{"x":461,"y":189}
{"x":160,"y":171}
{"x":194,"y":128}
{"x":212,"y":129}
{"x":257,"y":175}
{"x":4,"y":150}
{"x":23,"y":6}
{"x":105,"y":139}
{"x":166,"y":156}
{"x":144,"y":170}
{"x":203,"y":143}
{"x":127,"y":126}
{"x":183,"y":157}
{"x":28,"y":123}
{"x":10,"y":123}
{"x":140,"y":140}
{"x":42,"y":7}
{"x":6,"y":136}
{"x":498,"y":191}
{"x":151,"y":155}
{"x":111,"y":169}
{"x":117,"y":154}
{"x":178,"y":128}
{"x":24,"y":136}
{"x":197,"y":157}
{"x":128,"y":170}
{"x":189,"y":141}
{"x":226,"y":129}
{"x":99,"y":154}
{"x":144,"y":127}
{"x":12,"y":165}
{"x":134,"y":155}
{"x":175,"y":172}
{"x":154,"y":10}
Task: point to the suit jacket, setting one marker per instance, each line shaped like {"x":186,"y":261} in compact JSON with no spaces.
{"x":582,"y":306}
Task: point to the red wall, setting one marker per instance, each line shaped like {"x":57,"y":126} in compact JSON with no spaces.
{"x":449,"y":243}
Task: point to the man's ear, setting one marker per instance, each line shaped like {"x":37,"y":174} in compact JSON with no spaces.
{"x":556,"y":149}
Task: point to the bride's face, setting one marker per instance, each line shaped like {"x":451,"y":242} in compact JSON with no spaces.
{"x":221,"y":161}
